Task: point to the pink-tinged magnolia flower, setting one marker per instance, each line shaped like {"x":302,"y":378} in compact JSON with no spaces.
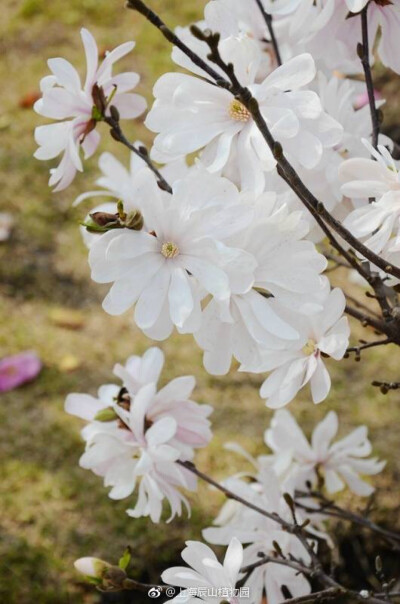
{"x":65,"y":99}
{"x":324,"y":332}
{"x":214,"y":581}
{"x":340,"y":463}
{"x":18,"y":369}
{"x":135,"y":434}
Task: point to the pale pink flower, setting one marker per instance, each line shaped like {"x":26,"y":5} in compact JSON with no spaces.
{"x":18,"y":369}
{"x":65,"y":99}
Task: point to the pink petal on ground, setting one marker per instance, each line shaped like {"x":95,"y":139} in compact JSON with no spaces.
{"x":18,"y":369}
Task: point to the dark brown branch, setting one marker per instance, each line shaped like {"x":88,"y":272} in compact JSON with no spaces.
{"x":119,"y":136}
{"x":330,"y":508}
{"x":386,"y":386}
{"x":366,"y":345}
{"x":270,"y":27}
{"x":151,"y":16}
{"x":363,"y":52}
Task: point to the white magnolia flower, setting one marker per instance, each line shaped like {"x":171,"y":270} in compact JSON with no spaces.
{"x":136,"y":434}
{"x":378,"y":178}
{"x":178,"y":257}
{"x":120,"y":183}
{"x":338,"y":36}
{"x":325,"y":332}
{"x":340,"y":463}
{"x":65,"y":99}
{"x":258,"y":534}
{"x":206,"y":579}
{"x":288,"y":274}
{"x":190,"y":114}
{"x":338,"y":97}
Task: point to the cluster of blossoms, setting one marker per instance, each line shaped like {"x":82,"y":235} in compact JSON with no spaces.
{"x":136,"y":434}
{"x":221,"y":247}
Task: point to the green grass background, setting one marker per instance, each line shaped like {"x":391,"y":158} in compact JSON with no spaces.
{"x":51,"y":511}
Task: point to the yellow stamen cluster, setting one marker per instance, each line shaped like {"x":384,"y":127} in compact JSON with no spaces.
{"x":238,"y":111}
{"x":309,"y":348}
{"x":169,"y":249}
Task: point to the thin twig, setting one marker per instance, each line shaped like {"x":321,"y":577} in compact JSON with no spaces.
{"x":363,"y":50}
{"x":330,"y":508}
{"x":119,"y":136}
{"x":366,"y":345}
{"x":270,"y":27}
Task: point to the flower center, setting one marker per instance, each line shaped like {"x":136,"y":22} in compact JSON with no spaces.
{"x":169,"y":249}
{"x":310,"y":347}
{"x":238,"y":111}
{"x":383,"y":2}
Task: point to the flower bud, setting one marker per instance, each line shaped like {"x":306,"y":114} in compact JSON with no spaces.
{"x":106,"y":415}
{"x":134,"y":220}
{"x":99,"y":100}
{"x":91,"y":567}
{"x":104,"y":219}
{"x":114,"y":113}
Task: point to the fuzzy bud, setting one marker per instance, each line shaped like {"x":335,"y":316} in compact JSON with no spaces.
{"x":104,"y":219}
{"x":106,"y":415}
{"x":134,"y":220}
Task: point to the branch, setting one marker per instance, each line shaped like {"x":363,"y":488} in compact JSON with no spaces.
{"x":268,"y":21}
{"x":367,"y":321}
{"x":365,"y":345}
{"x":386,"y":386}
{"x":363,"y":53}
{"x":151,"y":16}
{"x":329,"y":508}
{"x":119,"y":136}
{"x":244,"y":95}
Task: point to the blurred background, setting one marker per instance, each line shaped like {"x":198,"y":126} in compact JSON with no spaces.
{"x":51,"y":511}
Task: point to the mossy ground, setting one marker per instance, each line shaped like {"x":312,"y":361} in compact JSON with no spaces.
{"x":51,"y":511}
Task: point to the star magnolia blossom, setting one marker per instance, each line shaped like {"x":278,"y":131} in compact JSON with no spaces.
{"x":136,"y":434}
{"x":178,"y":257}
{"x":378,"y":178}
{"x":258,"y":533}
{"x":336,"y":31}
{"x":119,"y":182}
{"x":326,"y":331}
{"x":340,"y":463}
{"x":190,"y":114}
{"x":288,"y":273}
{"x":214,"y":582}
{"x":65,"y":99}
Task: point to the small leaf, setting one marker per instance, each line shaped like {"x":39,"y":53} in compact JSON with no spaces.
{"x":125,"y":559}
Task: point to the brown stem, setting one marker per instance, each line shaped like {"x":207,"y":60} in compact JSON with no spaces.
{"x":363,"y":50}
{"x":270,"y":27}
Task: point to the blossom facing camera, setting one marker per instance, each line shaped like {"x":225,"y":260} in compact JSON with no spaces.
{"x":18,"y":369}
{"x":79,"y":107}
